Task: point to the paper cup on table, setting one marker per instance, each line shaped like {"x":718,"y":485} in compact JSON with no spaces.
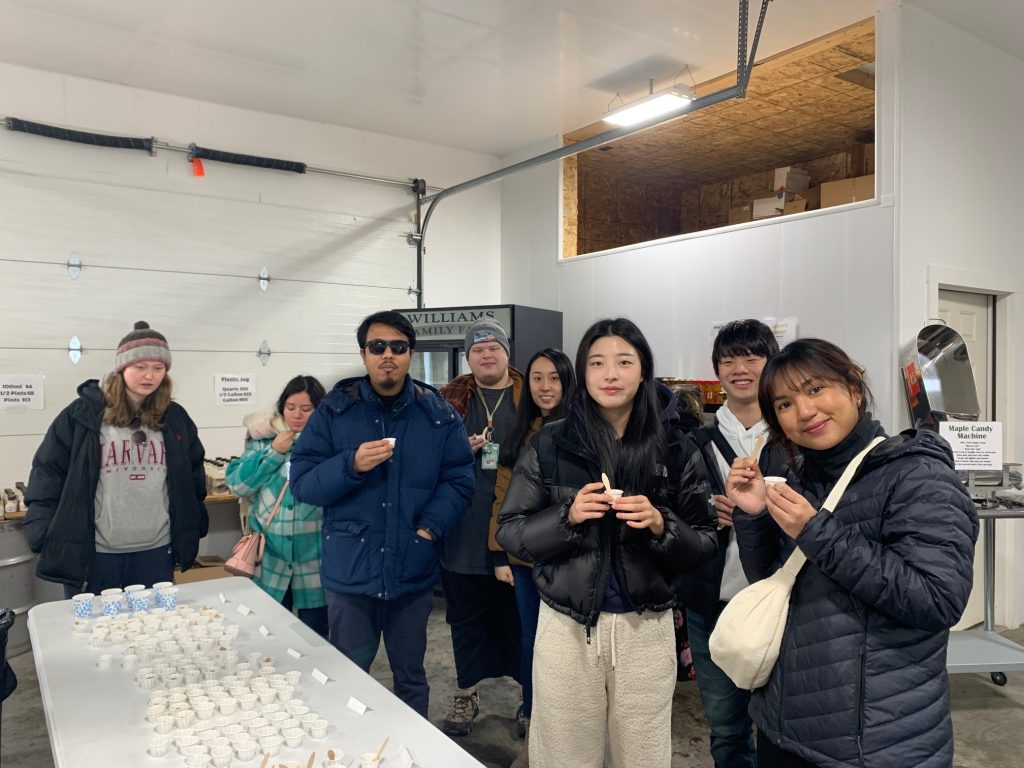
{"x":271,"y":744}
{"x":318,"y":728}
{"x":246,"y":750}
{"x":774,"y":480}
{"x":334,"y":757}
{"x":220,"y":756}
{"x":111,"y":604}
{"x":368,"y":760}
{"x":82,"y":605}
{"x":167,"y":597}
{"x":159,"y":745}
{"x":164,"y":724}
{"x":293,"y":737}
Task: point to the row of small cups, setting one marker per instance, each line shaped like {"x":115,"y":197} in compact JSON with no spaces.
{"x":205,"y":707}
{"x":241,"y":736}
{"x":137,"y":597}
{"x":175,"y":673}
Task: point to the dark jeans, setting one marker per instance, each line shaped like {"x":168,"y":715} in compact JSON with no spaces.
{"x":314,"y":618}
{"x":725,"y":705}
{"x":357,"y":623}
{"x":484,"y":620}
{"x":771,"y":756}
{"x":528,"y":602}
{"x":120,"y":570}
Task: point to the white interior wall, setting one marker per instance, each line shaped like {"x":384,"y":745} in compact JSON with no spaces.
{"x":960,"y":117}
{"x":834,"y":270}
{"x":183,"y":252}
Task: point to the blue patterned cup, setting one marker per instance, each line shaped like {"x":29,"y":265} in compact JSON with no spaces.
{"x":111,"y":604}
{"x":138,"y":600}
{"x":167,"y":597}
{"x":82,"y":604}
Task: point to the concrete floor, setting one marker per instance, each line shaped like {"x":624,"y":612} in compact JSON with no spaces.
{"x":988,"y":720}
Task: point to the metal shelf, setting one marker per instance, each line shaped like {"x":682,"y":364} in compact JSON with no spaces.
{"x":985,"y":650}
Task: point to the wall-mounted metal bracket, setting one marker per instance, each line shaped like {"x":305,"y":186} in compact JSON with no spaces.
{"x":75,"y":350}
{"x":74,"y":266}
{"x":264,"y":352}
{"x":264,"y":279}
{"x":413,"y":238}
{"x":413,"y":291}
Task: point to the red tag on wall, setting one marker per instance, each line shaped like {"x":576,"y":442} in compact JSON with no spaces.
{"x":197,"y":167}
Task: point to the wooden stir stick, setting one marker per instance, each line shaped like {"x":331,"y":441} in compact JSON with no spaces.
{"x":380,"y":753}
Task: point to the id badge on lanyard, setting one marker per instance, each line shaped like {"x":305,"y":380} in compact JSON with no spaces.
{"x":489,"y":456}
{"x":489,"y":451}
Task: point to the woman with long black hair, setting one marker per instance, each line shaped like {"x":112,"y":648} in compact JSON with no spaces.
{"x":552,"y":385}
{"x":290,"y":569}
{"x":604,"y":563}
{"x":861,"y":675}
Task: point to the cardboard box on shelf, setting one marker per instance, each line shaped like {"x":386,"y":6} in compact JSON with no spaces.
{"x":741,"y":213}
{"x":790,"y":179}
{"x":796,"y":205}
{"x":767,"y":207}
{"x":813,"y":197}
{"x":206,"y":567}
{"x":847,"y":191}
{"x":862,"y":160}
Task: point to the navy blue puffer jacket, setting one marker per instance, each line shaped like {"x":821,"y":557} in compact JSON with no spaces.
{"x":370,"y":545}
{"x":861,"y":678}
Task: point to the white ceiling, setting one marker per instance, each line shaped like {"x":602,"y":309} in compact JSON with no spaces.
{"x":484,"y":75}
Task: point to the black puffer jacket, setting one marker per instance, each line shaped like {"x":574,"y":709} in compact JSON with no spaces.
{"x":861,"y":678}
{"x":571,"y":571}
{"x":61,"y":519}
{"x":701,"y":590}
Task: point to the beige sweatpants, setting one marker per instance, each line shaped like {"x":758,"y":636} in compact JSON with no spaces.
{"x":621,"y":683}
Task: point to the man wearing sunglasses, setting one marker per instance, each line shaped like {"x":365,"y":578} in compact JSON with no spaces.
{"x":387,"y":459}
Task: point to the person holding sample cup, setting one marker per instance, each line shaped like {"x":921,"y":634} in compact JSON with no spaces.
{"x":290,"y":569}
{"x":605,"y":565}
{"x":388,"y":460}
{"x":861,"y":674}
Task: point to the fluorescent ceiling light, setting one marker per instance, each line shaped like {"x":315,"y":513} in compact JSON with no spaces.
{"x":654,"y":105}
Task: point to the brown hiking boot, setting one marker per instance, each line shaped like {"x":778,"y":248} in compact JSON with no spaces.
{"x":463,"y":711}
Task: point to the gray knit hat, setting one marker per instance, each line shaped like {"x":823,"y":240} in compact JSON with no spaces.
{"x":486,"y":330}
{"x":143,"y":344}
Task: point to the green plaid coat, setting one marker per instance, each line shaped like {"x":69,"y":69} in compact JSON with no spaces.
{"x":293,"y":545}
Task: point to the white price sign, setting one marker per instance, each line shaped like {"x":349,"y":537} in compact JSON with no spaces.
{"x":21,"y":390}
{"x":234,"y":388}
{"x":976,"y":444}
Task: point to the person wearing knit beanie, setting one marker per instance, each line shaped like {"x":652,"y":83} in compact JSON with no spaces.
{"x":143,"y":344}
{"x":484,"y":330}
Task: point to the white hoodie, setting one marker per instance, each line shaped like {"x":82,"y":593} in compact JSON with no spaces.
{"x":742,"y":441}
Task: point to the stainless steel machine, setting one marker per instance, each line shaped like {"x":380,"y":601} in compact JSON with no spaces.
{"x":940,"y":386}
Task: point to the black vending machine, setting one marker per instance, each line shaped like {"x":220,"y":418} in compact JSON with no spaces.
{"x":441,"y":333}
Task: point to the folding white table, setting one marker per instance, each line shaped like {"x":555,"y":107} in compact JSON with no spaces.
{"x":98,"y":716}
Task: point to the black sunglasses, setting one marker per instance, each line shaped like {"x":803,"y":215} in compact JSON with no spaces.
{"x":377,"y":346}
{"x":139,"y":435}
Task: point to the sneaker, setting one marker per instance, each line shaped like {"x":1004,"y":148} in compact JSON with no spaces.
{"x":464,"y":709}
{"x":522,"y":722}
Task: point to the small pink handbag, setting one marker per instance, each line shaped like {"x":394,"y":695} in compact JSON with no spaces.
{"x":248,"y":552}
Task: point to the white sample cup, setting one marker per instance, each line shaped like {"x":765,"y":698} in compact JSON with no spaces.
{"x":368,"y":760}
{"x":774,"y":480}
